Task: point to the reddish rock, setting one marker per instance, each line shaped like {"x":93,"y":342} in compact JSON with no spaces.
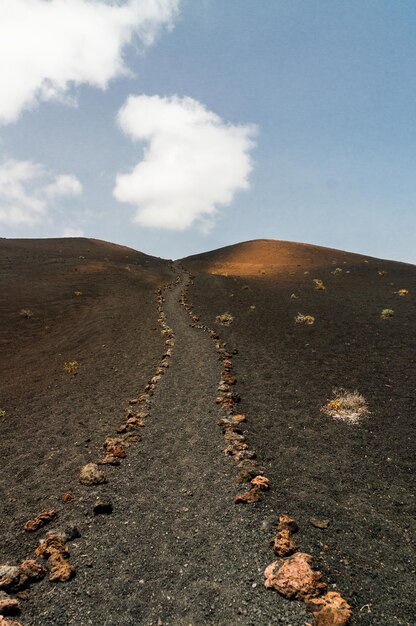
{"x":238,"y":419}
{"x":40,"y":520}
{"x":53,"y":549}
{"x":68,"y":497}
{"x":249,"y":497}
{"x":330,"y":610}
{"x":286,"y":522}
{"x":30,"y":571}
{"x":8,"y":605}
{"x":294,"y":577}
{"x":284,"y":544}
{"x":261,"y":482}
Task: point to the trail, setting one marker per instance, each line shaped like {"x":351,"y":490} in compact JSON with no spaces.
{"x":176,"y":550}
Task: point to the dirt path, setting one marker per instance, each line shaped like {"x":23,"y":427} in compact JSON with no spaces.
{"x":176,"y":550}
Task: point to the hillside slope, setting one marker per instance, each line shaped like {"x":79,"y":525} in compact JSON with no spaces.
{"x":359,"y":477}
{"x":55,"y":421}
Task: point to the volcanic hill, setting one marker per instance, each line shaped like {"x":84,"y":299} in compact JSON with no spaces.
{"x":99,"y":341}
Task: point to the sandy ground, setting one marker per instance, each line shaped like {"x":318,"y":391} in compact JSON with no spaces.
{"x":176,"y":549}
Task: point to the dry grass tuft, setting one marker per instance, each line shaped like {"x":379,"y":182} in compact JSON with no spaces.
{"x":27,"y":313}
{"x":304,"y":319}
{"x":77,"y":293}
{"x":70,"y":367}
{"x":386,"y":313}
{"x":319,"y":285}
{"x":225,"y":319}
{"x":347,"y":406}
{"x":2,"y":413}
{"x":402,"y":292}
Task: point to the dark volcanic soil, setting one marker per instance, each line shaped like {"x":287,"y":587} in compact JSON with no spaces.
{"x":55,"y":422}
{"x":361,"y":477}
{"x":176,"y":550}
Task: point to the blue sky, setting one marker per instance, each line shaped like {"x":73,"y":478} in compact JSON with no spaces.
{"x":328,"y":85}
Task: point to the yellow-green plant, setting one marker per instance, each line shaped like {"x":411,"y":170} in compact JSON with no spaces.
{"x":319,"y":284}
{"x":225,"y":319}
{"x":304,"y":319}
{"x":385,"y":313}
{"x":2,"y":413}
{"x":77,"y":293}
{"x":402,"y":292}
{"x":337,"y":270}
{"x":70,"y":367}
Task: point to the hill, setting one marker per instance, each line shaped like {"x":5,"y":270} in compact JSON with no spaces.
{"x":174,"y":547}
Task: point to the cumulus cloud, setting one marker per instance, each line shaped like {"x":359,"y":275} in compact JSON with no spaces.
{"x":27,"y":191}
{"x":47,"y":47}
{"x":193,"y":161}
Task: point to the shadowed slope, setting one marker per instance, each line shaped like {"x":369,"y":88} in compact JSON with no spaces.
{"x":55,"y":421}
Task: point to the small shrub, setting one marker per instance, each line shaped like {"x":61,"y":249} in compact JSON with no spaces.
{"x":167,"y":331}
{"x":381,"y":272}
{"x":337,"y":270}
{"x":304,"y":319}
{"x":2,"y":413}
{"x":402,"y":292}
{"x":70,"y":367}
{"x":319,"y":284}
{"x":385,"y":313}
{"x":77,"y":293}
{"x":348,"y":406}
{"x":27,"y":313}
{"x":225,"y":319}
{"x":293,"y":296}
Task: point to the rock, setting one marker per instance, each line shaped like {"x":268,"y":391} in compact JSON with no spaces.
{"x":249,"y":497}
{"x":239,"y":418}
{"x":261,"y":482}
{"x":330,"y":610}
{"x":9,"y":576}
{"x":103,"y":506}
{"x":245,"y":454}
{"x":115,"y":446}
{"x":30,"y":571}
{"x":68,"y":497}
{"x":109,"y":459}
{"x":14,"y":577}
{"x":294,"y":577}
{"x":91,"y":474}
{"x":287,"y":522}
{"x":320,"y":523}
{"x":234,"y":448}
{"x":8,"y":605}
{"x":40,"y":520}
{"x":284,"y":544}
{"x":53,"y":549}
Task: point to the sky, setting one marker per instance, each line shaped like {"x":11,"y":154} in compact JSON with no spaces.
{"x":180,"y":126}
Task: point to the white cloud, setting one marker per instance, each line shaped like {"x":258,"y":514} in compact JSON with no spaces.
{"x":27,"y":189}
{"x":47,"y":47}
{"x":72,"y":231}
{"x":193,"y":161}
